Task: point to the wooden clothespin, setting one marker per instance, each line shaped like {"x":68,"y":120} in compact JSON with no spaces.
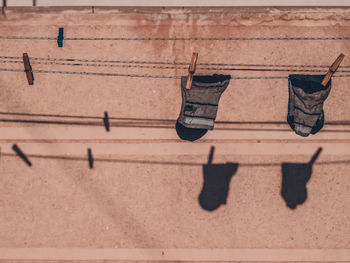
{"x":106,"y":121}
{"x":28,"y":69}
{"x":60,"y":37}
{"x":91,"y":159}
{"x":191,"y":70}
{"x":332,"y":69}
{"x":21,"y":154}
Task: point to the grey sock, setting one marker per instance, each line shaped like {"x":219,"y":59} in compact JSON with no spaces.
{"x":305,"y":104}
{"x":200,"y":103}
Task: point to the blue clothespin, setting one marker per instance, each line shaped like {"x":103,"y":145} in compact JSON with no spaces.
{"x":60,"y":37}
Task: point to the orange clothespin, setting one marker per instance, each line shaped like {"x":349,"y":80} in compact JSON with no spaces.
{"x":332,"y":69}
{"x":28,"y":69}
{"x":191,"y":70}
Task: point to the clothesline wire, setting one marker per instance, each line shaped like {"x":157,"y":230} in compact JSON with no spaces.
{"x":148,"y":120}
{"x":95,"y":74}
{"x":142,"y":75}
{"x":176,"y":67}
{"x":148,"y":125}
{"x":166,"y":62}
{"x":177,"y":38}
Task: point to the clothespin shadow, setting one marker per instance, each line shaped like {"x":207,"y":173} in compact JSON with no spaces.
{"x":91,"y":159}
{"x":332,"y":69}
{"x":217,"y":178}
{"x":28,"y":69}
{"x":191,"y":70}
{"x":294,"y":179}
{"x":21,"y":154}
{"x":60,"y":37}
{"x":106,"y":121}
{"x":4,"y":4}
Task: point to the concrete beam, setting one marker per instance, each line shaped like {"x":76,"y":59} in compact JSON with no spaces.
{"x":187,"y":3}
{"x":272,"y":255}
{"x":19,"y":3}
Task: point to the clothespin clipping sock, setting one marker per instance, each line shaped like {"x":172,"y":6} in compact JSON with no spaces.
{"x":28,"y":69}
{"x":91,"y":159}
{"x":191,"y":70}
{"x":60,"y":37}
{"x":106,"y":121}
{"x":332,"y":69}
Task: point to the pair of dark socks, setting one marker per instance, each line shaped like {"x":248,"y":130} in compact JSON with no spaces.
{"x":200,"y":104}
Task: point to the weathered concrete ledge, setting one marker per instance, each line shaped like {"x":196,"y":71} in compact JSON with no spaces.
{"x":201,"y":16}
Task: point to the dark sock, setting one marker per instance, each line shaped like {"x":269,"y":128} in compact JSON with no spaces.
{"x":189,"y":134}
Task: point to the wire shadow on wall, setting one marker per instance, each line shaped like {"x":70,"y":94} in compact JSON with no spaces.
{"x":217,"y":178}
{"x":294,"y":179}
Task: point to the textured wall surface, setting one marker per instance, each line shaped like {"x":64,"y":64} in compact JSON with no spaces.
{"x":144,"y":193}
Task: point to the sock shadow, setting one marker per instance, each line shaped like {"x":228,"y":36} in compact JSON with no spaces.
{"x":294,"y":179}
{"x":217,"y":178}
